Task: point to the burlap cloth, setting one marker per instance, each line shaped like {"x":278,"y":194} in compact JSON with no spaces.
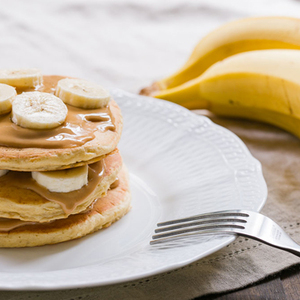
{"x":128,"y":44}
{"x":239,"y":264}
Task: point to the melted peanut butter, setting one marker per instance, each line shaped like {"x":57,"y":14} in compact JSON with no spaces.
{"x":78,"y":128}
{"x":10,"y":224}
{"x":115,"y":184}
{"x":68,"y":201}
{"x":7,"y":225}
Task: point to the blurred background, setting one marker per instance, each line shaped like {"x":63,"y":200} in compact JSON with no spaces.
{"x":126,"y":44}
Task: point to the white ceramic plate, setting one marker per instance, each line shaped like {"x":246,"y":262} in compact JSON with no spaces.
{"x":180,"y":164}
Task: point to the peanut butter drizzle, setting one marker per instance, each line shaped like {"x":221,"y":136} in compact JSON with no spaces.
{"x":115,"y":184}
{"x":68,"y":201}
{"x":7,"y":225}
{"x":10,"y":224}
{"x":78,"y":129}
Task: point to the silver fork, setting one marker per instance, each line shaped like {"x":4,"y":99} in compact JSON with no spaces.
{"x":239,"y":222}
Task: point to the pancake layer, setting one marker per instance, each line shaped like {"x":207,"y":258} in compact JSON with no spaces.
{"x":43,"y":159}
{"x":25,"y":204}
{"x":104,"y":212}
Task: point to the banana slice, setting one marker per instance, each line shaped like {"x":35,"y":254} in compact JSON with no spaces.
{"x":38,"y":110}
{"x":82,"y":93}
{"x":7,"y":95}
{"x":62,"y":181}
{"x":3,"y":172}
{"x":21,"y":78}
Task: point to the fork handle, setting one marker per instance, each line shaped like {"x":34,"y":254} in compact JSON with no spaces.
{"x":272,"y":234}
{"x":292,"y":248}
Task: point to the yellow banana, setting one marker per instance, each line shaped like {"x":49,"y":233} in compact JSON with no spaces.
{"x":286,"y":122}
{"x":233,"y":38}
{"x":263,"y":85}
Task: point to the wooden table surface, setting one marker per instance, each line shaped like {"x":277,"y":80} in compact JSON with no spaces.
{"x":282,"y":286}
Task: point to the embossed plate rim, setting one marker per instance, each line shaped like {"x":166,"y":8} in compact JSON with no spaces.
{"x":87,"y":276}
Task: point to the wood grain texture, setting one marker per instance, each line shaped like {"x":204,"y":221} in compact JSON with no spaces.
{"x":291,"y":283}
{"x":283,"y":286}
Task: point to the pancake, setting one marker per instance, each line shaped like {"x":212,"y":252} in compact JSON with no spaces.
{"x":18,"y":200}
{"x":46,"y":157}
{"x":104,"y":212}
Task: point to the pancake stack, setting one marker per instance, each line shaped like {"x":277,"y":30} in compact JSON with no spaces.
{"x":61,"y":174}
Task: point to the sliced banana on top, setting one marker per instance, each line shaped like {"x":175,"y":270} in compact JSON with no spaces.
{"x":7,"y":95}
{"x":82,"y":93}
{"x":38,"y":110}
{"x":21,"y":78}
{"x":62,"y":181}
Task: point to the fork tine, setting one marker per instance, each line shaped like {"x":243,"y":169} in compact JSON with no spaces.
{"x":214,"y":220}
{"x":217,"y":226}
{"x":213,"y":231}
{"x":226,"y":213}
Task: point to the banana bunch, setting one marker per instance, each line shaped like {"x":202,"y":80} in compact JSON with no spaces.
{"x":248,"y":69}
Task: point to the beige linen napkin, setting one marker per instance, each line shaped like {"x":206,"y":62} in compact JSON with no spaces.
{"x":239,"y":264}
